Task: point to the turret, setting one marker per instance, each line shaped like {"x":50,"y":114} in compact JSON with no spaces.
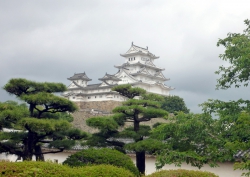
{"x":80,"y":79}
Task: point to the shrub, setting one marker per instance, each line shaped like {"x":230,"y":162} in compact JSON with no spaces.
{"x":48,"y":169}
{"x":182,"y":173}
{"x":105,"y":171}
{"x":101,"y":156}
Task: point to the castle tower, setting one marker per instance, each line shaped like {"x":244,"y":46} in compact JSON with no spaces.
{"x":138,"y":70}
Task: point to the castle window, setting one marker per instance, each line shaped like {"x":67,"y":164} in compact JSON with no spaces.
{"x":73,"y":97}
{"x":89,"y":97}
{"x":95,"y":96}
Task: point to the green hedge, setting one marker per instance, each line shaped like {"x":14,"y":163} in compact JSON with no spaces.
{"x":182,"y":173}
{"x":101,"y":156}
{"x":48,"y":169}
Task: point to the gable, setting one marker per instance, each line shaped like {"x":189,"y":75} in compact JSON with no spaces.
{"x":72,"y":85}
{"x":149,"y":63}
{"x":125,"y":77}
{"x":131,"y":50}
{"x":103,"y":84}
{"x":160,"y":75}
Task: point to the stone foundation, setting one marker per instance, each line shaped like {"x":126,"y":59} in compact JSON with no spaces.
{"x":80,"y":118}
{"x":99,"y":109}
{"x":104,"y":106}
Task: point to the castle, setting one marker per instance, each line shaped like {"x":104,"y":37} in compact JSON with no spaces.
{"x":138,"y":70}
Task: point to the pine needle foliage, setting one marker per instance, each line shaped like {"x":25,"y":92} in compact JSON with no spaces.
{"x":43,"y":119}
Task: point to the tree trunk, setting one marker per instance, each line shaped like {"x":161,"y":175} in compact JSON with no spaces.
{"x":136,"y":126}
{"x":140,"y":161}
{"x":140,"y":156}
{"x":31,"y":109}
{"x":29,"y":146}
{"x":39,"y":154}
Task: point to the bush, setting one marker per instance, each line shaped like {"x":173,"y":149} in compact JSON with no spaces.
{"x":101,"y":156}
{"x":48,"y":169}
{"x":182,"y":173}
{"x":105,"y":171}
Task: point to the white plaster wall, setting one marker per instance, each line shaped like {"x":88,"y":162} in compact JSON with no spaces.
{"x":225,"y":169}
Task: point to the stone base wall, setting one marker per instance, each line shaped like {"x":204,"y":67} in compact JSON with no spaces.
{"x":105,"y":106}
{"x":80,"y":118}
{"x":99,"y":109}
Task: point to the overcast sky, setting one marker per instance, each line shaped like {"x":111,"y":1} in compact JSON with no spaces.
{"x":51,"y":40}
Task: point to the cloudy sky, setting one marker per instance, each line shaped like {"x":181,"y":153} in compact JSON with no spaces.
{"x":51,"y":40}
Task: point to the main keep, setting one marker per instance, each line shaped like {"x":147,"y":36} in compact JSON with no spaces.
{"x":138,"y":70}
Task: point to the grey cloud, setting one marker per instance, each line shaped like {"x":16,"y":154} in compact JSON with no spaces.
{"x":52,"y":40}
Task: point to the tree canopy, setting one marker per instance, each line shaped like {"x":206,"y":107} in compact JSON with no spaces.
{"x":234,"y":116}
{"x":173,"y":104}
{"x":43,"y":120}
{"x":237,"y":53}
{"x":190,"y":138}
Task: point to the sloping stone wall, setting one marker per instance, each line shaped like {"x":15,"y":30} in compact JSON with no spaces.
{"x":105,"y":106}
{"x":100,"y":108}
{"x":80,"y":118}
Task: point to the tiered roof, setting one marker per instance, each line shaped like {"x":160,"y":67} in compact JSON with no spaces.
{"x":139,"y":50}
{"x":109,"y":77}
{"x":147,"y":64}
{"x":79,"y":76}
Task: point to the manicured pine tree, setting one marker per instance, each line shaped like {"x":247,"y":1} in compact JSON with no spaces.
{"x":139,"y":107}
{"x":46,"y":120}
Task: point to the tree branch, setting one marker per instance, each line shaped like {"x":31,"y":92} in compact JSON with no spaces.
{"x":60,"y":150}
{"x":144,"y":119}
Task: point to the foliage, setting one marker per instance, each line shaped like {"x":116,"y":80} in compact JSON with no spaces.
{"x":105,"y":171}
{"x":190,"y":138}
{"x":182,"y":173}
{"x":243,"y":166}
{"x":44,"y":121}
{"x":173,"y":104}
{"x":237,"y":53}
{"x":44,"y":169}
{"x":10,"y":113}
{"x":139,"y":107}
{"x":101,"y":156}
{"x":234,"y":126}
{"x":234,"y":116}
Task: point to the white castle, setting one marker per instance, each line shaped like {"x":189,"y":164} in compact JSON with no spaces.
{"x":138,"y":70}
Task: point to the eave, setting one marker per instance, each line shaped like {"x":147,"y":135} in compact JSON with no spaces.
{"x":153,"y":77}
{"x":140,"y":64}
{"x":140,"y":53}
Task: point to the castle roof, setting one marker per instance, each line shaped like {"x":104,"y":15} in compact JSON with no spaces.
{"x":147,"y":64}
{"x":79,"y":76}
{"x":109,"y":77}
{"x":133,"y":50}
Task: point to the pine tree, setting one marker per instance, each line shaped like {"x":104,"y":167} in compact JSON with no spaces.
{"x":139,"y":107}
{"x":46,"y":120}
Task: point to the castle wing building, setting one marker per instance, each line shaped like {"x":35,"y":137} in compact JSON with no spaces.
{"x":138,"y":70}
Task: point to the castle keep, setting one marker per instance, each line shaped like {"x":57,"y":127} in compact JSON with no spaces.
{"x":138,"y":70}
